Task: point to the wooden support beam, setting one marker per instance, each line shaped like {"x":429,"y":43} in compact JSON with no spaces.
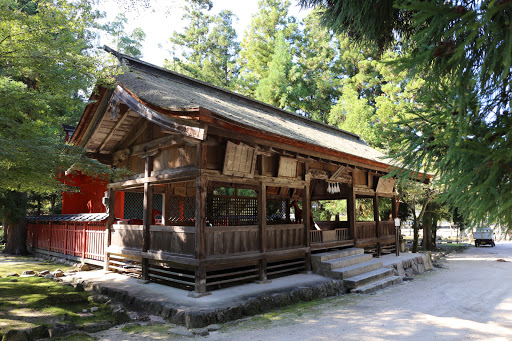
{"x":111,"y":195}
{"x":186,"y":127}
{"x":201,"y":193}
{"x":200,"y":280}
{"x":262,"y":215}
{"x":165,"y":206}
{"x":376,"y":218}
{"x":147,"y":206}
{"x":163,"y":176}
{"x":124,"y":110}
{"x":306,"y":212}
{"x":351,"y":207}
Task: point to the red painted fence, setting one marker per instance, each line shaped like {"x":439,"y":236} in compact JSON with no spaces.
{"x":78,"y":239}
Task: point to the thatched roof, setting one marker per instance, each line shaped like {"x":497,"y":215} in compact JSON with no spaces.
{"x":169,"y":90}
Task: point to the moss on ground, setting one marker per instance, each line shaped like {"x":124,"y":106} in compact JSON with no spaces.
{"x":154,"y":331}
{"x":36,"y":301}
{"x":18,"y":264}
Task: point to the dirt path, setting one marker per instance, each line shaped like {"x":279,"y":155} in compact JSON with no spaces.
{"x":470,"y":299}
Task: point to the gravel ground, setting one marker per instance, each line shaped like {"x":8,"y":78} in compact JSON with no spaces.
{"x":470,"y":298}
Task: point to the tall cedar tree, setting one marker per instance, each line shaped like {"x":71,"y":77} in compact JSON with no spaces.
{"x":208,"y":46}
{"x":124,"y":42}
{"x":461,"y":125}
{"x":258,"y":44}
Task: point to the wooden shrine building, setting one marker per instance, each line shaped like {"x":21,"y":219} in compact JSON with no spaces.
{"x":225,"y":184}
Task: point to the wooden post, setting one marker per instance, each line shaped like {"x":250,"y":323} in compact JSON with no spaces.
{"x":376,"y":218}
{"x":200,"y":281}
{"x":201,"y":193}
{"x":165,"y":206}
{"x":50,"y":228}
{"x":306,"y":220}
{"x":262,"y":222}
{"x":66,"y":238}
{"x":147,"y":214}
{"x":351,"y":203}
{"x":111,"y":195}
{"x":84,"y":240}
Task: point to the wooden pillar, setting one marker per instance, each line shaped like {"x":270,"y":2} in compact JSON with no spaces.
{"x":351,"y":207}
{"x":201,"y":193}
{"x":147,"y":214}
{"x":376,"y":218}
{"x":166,"y":199}
{"x":262,"y":222}
{"x":306,"y":213}
{"x":394,"y":207}
{"x":111,"y":195}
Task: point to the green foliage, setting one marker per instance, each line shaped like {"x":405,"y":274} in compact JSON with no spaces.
{"x":273,"y":88}
{"x":458,"y":123}
{"x":260,"y":40}
{"x":127,"y":43}
{"x":208,"y":44}
{"x":45,"y":64}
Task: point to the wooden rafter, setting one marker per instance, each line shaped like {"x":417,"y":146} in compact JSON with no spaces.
{"x":189,"y":128}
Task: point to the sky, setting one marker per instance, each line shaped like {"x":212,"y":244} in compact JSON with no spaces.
{"x":164,"y":17}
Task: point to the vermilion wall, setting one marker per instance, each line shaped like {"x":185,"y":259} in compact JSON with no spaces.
{"x":89,"y":197}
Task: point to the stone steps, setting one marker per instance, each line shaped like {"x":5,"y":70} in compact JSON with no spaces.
{"x":325,"y":256}
{"x":374,"y":286}
{"x":367,"y":277}
{"x":360,"y":272}
{"x":336,"y":263}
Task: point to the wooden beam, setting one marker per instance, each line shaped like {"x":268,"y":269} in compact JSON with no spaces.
{"x":201,"y":193}
{"x":376,"y":218}
{"x":262,"y":215}
{"x":189,"y":128}
{"x":147,"y":214}
{"x":162,"y":176}
{"x":125,"y":113}
{"x":351,"y":208}
{"x":108,"y":228}
{"x":157,"y":144}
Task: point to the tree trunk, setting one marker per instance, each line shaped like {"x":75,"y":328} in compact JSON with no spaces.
{"x":17,"y":224}
{"x":17,"y":238}
{"x":4,"y":226}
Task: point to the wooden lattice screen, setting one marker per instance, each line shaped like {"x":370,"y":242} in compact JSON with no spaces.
{"x":232,"y":211}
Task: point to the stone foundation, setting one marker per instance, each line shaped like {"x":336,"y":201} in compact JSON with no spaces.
{"x":193,"y":317}
{"x":414,"y":266}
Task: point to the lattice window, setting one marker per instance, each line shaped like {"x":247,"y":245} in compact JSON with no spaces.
{"x":182,"y":209}
{"x":276,"y":211}
{"x":134,"y":205}
{"x":232,"y":211}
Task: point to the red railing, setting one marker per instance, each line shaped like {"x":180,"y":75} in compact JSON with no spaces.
{"x":78,"y":239}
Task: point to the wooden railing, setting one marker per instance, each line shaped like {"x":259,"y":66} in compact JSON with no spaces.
{"x":77,"y":239}
{"x":386,"y":228}
{"x":178,"y":240}
{"x":323,"y":236}
{"x":286,"y":236}
{"x":365,"y":230}
{"x":232,"y":239}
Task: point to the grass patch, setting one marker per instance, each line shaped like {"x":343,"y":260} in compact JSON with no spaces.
{"x":18,"y":264}
{"x":36,"y":301}
{"x":78,"y":336}
{"x":152,"y":331}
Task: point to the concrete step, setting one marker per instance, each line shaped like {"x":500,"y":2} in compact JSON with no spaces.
{"x":359,"y":280}
{"x":337,"y":263}
{"x":381,"y":284}
{"x":324,"y":256}
{"x":355,"y":270}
